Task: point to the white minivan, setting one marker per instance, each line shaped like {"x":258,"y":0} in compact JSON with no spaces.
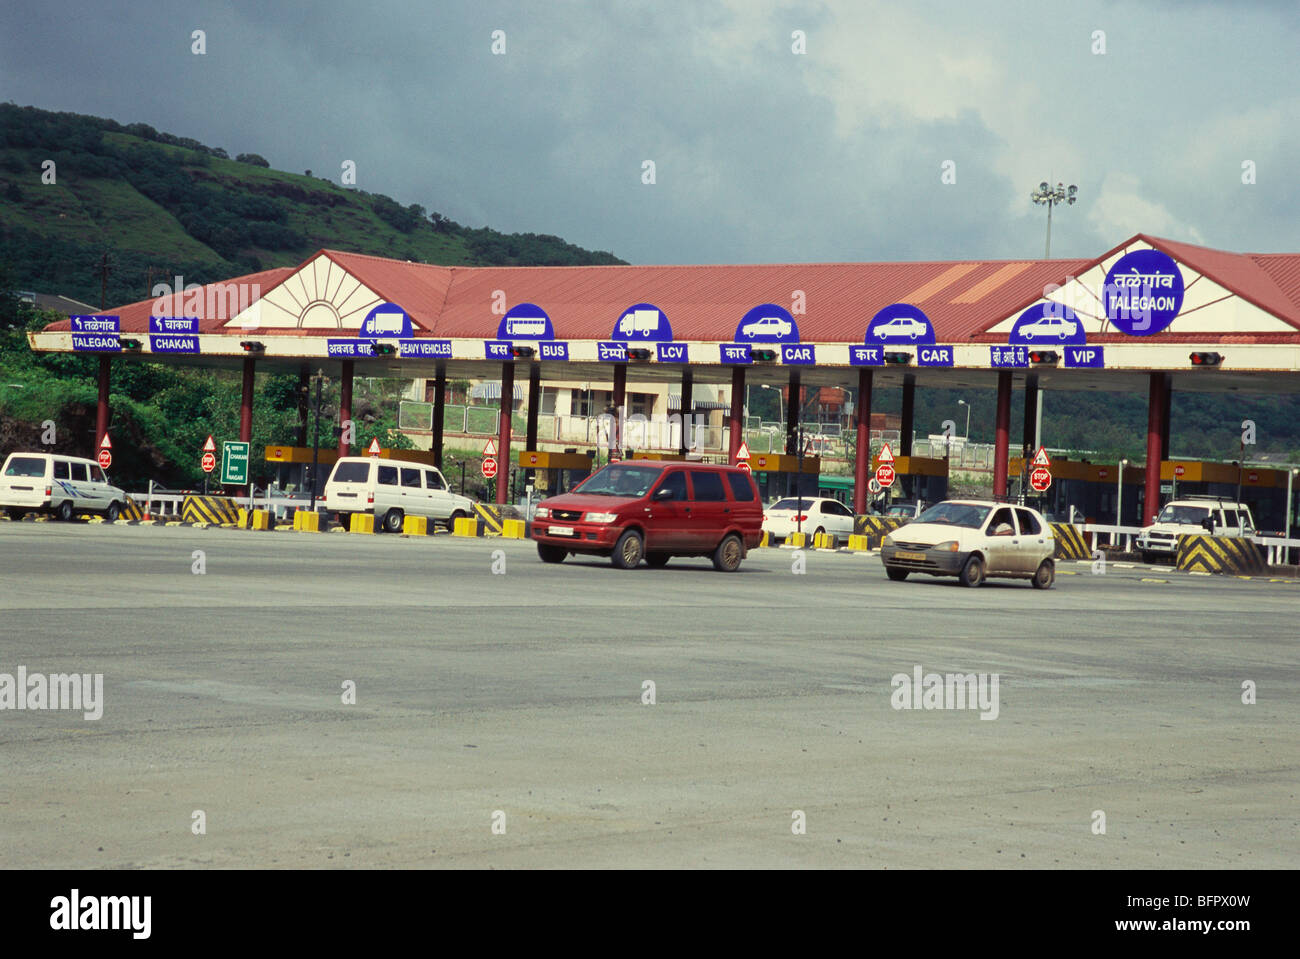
{"x":60,"y":485}
{"x":392,"y":489}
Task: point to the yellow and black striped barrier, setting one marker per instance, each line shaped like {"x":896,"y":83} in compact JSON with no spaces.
{"x":491,"y":517}
{"x":875,"y":528}
{"x":212,"y":510}
{"x":825,"y":541}
{"x":1219,"y":554}
{"x":1069,"y":542}
{"x":131,"y":510}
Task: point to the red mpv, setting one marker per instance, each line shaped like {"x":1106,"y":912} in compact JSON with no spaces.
{"x":653,"y":510}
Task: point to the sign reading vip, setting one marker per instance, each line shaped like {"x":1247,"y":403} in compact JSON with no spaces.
{"x":934,"y":356}
{"x":425,"y":349}
{"x":672,"y":352}
{"x":234,"y":463}
{"x":1143,"y":292}
{"x":95,"y":332}
{"x":387,"y":319}
{"x":1085,"y":357}
{"x":1048,"y":323}
{"x":527,"y":321}
{"x":768,"y":323}
{"x":349,"y":349}
{"x":644,"y":322}
{"x":900,"y":323}
{"x":866,"y":356}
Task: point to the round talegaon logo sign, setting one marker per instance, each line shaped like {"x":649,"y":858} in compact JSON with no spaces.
{"x":1143,"y":292}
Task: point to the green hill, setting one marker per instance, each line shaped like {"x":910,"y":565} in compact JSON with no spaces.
{"x":163,"y":206}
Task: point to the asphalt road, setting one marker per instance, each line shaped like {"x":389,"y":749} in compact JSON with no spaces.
{"x":520,"y":693}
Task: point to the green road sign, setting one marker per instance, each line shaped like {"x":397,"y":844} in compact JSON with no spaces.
{"x":234,"y":463}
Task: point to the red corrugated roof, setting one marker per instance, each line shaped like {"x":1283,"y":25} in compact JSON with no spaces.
{"x":419,"y":288}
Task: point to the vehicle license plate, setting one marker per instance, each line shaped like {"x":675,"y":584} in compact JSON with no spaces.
{"x":559,"y":530}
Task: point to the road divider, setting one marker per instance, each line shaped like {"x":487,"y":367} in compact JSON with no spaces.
{"x":361,"y":523}
{"x":213,"y":510}
{"x":1219,"y":554}
{"x":1069,"y":542}
{"x":415,"y":526}
{"x":514,"y":529}
{"x":468,"y":526}
{"x":491,"y":517}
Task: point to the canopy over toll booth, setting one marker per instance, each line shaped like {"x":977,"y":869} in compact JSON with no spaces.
{"x":781,"y":474}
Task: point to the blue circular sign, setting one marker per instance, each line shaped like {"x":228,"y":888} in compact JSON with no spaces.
{"x":642,"y":322}
{"x":768,"y":323}
{"x":387,"y":319}
{"x":900,"y":323}
{"x":527,"y":321}
{"x":1048,"y":323}
{"x":1143,"y":292}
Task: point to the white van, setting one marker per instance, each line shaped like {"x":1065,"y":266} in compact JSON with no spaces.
{"x":392,"y":489}
{"x":1195,"y":515}
{"x":60,"y":485}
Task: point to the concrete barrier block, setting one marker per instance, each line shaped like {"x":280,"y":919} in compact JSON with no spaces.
{"x":513,"y":529}
{"x":860,"y":543}
{"x":362,"y":523}
{"x":797,"y":540}
{"x":415,"y":526}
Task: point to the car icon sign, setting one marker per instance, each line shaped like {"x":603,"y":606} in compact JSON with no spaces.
{"x":1050,"y":326}
{"x":768,"y":324}
{"x":899,"y":327}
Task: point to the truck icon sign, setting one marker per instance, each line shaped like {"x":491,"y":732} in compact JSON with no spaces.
{"x":387,"y":323}
{"x":639,"y":323}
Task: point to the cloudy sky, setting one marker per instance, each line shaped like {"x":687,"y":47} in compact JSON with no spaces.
{"x":760,"y":153}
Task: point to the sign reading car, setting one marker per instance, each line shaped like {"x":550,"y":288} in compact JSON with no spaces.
{"x":767,"y":323}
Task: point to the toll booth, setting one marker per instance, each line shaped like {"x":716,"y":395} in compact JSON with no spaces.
{"x":555,"y":473}
{"x":1263,"y":490}
{"x":1091,"y":488}
{"x":918,"y":477}
{"x":289,"y":468}
{"x":780,"y":474}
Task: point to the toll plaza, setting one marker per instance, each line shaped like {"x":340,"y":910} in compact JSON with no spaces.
{"x":1264,"y":490}
{"x":1092,"y":489}
{"x":292,"y":465}
{"x":919,"y":477}
{"x":555,"y":473}
{"x":781,"y":474}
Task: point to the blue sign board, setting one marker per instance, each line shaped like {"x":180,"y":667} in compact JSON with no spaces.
{"x":1048,"y":324}
{"x":1085,"y":357}
{"x":497,"y":350}
{"x":349,"y":349}
{"x":527,"y":321}
{"x":95,"y":341}
{"x":866,"y":356}
{"x":611,"y":352}
{"x":673,"y":353}
{"x":386,"y":320}
{"x":643,"y":322}
{"x":425,"y":349}
{"x":173,"y":343}
{"x":1143,"y":292}
{"x":734,"y":354}
{"x":1008,"y":357}
{"x":163,"y":325}
{"x":934,"y":356}
{"x":798,"y":354}
{"x":95,"y":324}
{"x":899,"y":324}
{"x":768,"y":323}
{"x":553,"y":351}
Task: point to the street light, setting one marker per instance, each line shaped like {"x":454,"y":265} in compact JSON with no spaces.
{"x":966,"y":438}
{"x":1050,"y":196}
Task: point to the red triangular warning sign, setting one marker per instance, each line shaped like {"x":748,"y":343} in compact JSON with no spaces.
{"x":886,"y":455}
{"x":209,"y":446}
{"x":743,"y":452}
{"x":1040,"y":458}
{"x":373,"y":449}
{"x":490,"y":448}
{"x":105,"y":443}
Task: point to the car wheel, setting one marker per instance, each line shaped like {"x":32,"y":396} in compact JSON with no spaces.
{"x":657,"y":560}
{"x":113,"y":512}
{"x":972,"y":574}
{"x":15,"y":514}
{"x":551,"y":554}
{"x":460,"y":514}
{"x":896,"y":574}
{"x":65,"y":510}
{"x":629,"y":550}
{"x":393,"y":521}
{"x":727,"y":557}
{"x":1046,"y":575}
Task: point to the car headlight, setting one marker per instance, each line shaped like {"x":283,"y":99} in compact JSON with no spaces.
{"x":949,"y":547}
{"x":542,"y":512}
{"x":887,"y":541}
{"x":600,"y":517}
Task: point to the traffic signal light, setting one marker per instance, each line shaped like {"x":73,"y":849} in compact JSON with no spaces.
{"x":1206,"y":359}
{"x":1043,"y":356}
{"x":384,"y":349}
{"x":129,"y":344}
{"x":521,"y":352}
{"x":898,"y":357}
{"x":638,"y":354}
{"x":252,"y":346}
{"x":763,"y":356}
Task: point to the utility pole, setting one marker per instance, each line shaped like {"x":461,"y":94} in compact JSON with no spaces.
{"x":1050,"y":196}
{"x":104,"y":270}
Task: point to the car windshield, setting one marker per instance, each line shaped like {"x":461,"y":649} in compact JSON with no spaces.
{"x":955,"y":514}
{"x":1183,"y":515}
{"x":620,"y":480}
{"x":792,"y":504}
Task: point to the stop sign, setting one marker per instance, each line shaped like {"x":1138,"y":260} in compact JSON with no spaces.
{"x":744,"y":465}
{"x":885,"y":475}
{"x":105,"y":459}
{"x":209,"y":462}
{"x":489,"y":468}
{"x":1040,"y":479}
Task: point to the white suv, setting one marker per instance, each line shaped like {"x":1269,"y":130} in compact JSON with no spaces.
{"x":392,"y":489}
{"x":60,"y":485}
{"x":1193,"y":516}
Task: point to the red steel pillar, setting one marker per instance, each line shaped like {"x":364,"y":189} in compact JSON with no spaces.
{"x":1002,"y":438}
{"x":101,"y":409}
{"x":862,"y":455}
{"x":246,"y":404}
{"x":503,"y":439}
{"x":1155,"y":434}
{"x":1168,"y":405}
{"x":793,"y":406}
{"x":439,"y":409}
{"x":737,"y":421}
{"x":345,"y":408}
{"x":620,"y":401}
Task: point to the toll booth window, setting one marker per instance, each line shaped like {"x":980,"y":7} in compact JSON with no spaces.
{"x":388,"y":475}
{"x":1028,"y":524}
{"x":61,"y":470}
{"x":675,"y":482}
{"x":708,"y":486}
{"x":29,"y":466}
{"x":742,"y":490}
{"x":352,"y":472}
{"x":410,"y":479}
{"x":433,"y":480}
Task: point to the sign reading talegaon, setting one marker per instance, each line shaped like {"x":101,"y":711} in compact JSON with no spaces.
{"x":1143,"y":292}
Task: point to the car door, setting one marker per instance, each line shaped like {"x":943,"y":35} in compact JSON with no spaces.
{"x":1001,"y":544}
{"x":61,"y":487}
{"x":388,"y":490}
{"x":836,"y":518}
{"x":666,"y":518}
{"x":439,"y":496}
{"x":85,"y":491}
{"x":710,"y":510}
{"x":1032,"y":541}
{"x":415,"y":499}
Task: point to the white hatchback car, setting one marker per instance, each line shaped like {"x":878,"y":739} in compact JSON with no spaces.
{"x":973,"y":540}
{"x":392,"y":489}
{"x":60,"y":485}
{"x":811,"y":514}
